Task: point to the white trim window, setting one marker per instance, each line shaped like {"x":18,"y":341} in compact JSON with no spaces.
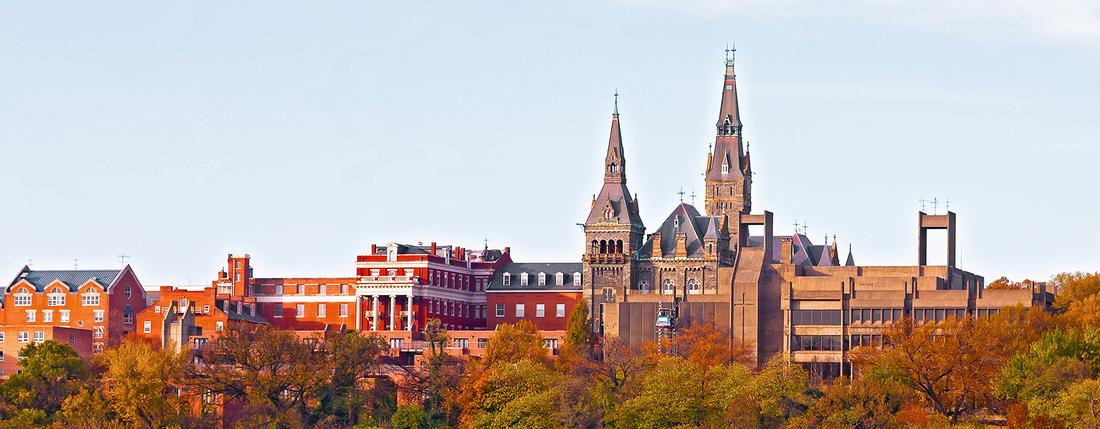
{"x":542,"y":279}
{"x":47,"y":315}
{"x":147,"y":326}
{"x":98,"y":332}
{"x":89,"y":299}
{"x":670,"y":287}
{"x":1,"y":337}
{"x":24,"y":337}
{"x":64,"y":316}
{"x":540,"y":310}
{"x":523,"y":279}
{"x":321,"y":310}
{"x":278,"y":310}
{"x":22,"y":300}
{"x":128,"y":292}
{"x":559,"y":310}
{"x":559,"y":279}
{"x":576,"y":279}
{"x":97,"y":316}
{"x":300,"y":310}
{"x":55,"y":298}
{"x":39,"y":336}
{"x":500,"y":310}
{"x":343,"y":310}
{"x":693,"y":287}
{"x":506,"y":280}
{"x":32,"y":315}
{"x":519,"y":310}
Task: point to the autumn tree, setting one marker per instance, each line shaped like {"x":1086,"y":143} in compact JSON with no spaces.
{"x":1079,"y":405}
{"x":513,"y":343}
{"x":353,"y":358}
{"x":950,"y":364}
{"x":1074,"y":287}
{"x":705,"y":345}
{"x":139,"y":382}
{"x":437,"y":378}
{"x":277,"y":376}
{"x":51,"y":371}
{"x":578,"y":344}
{"x":1037,"y":376}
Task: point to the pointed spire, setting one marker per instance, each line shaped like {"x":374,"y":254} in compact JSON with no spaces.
{"x":729,"y":118}
{"x":615,"y":162}
{"x":851,"y":262}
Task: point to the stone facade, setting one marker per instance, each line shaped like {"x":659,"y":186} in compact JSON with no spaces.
{"x":778,"y":295}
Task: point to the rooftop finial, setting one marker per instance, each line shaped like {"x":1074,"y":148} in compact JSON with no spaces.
{"x":681,"y":194}
{"x":616,"y":113}
{"x":731,"y":50}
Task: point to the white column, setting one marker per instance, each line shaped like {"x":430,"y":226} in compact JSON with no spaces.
{"x":393,"y":312}
{"x":374,"y":314}
{"x":358,"y":312}
{"x":409,"y":308}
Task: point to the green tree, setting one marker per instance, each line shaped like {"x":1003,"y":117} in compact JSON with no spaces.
{"x":51,"y":371}
{"x":85,"y":410}
{"x":671,"y":394}
{"x":1079,"y":405}
{"x":1060,"y":358}
{"x":514,"y":343}
{"x":409,"y":416}
{"x":578,"y":333}
{"x":353,"y":358}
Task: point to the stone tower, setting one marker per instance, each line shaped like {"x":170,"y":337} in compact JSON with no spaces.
{"x":613,"y":231}
{"x":728,"y":175}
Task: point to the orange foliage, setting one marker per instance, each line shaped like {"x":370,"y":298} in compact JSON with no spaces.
{"x":705,"y":345}
{"x":1004,"y":283}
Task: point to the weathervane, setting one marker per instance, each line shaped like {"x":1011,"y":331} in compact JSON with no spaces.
{"x":681,"y":194}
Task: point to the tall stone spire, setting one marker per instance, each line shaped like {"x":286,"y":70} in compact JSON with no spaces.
{"x":728,"y":178}
{"x":615,"y":161}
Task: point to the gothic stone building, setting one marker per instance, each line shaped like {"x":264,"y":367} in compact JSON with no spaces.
{"x":776,"y":294}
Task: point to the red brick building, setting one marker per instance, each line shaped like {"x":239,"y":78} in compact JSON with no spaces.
{"x":14,"y":337}
{"x":543,"y":293}
{"x":193,"y":315}
{"x":103,"y":302}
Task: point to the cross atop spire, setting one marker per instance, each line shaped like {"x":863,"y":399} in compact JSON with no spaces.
{"x":616,"y":113}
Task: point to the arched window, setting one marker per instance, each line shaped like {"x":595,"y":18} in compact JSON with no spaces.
{"x":643,"y":286}
{"x":693,"y":287}
{"x":619,"y":246}
{"x":603,"y":247}
{"x":523,"y":279}
{"x":595,"y":246}
{"x":609,"y":294}
{"x":127,"y":291}
{"x":507,"y":279}
{"x":559,"y":279}
{"x":542,"y":279}
{"x":669,"y":286}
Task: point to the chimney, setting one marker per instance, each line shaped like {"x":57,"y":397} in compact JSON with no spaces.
{"x":433,"y":248}
{"x":373,"y":248}
{"x":681,"y":245}
{"x":507,"y":250}
{"x":786,"y":250}
{"x":657,"y":246}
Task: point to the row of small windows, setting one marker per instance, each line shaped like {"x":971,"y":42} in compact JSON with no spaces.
{"x":604,"y":247}
{"x":881,"y":315}
{"x":63,"y":316}
{"x":669,"y":286}
{"x":540,"y":310}
{"x":833,"y":343}
{"x":524,"y":279}
{"x":56,"y":299}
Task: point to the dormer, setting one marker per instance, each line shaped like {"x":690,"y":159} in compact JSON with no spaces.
{"x":523,"y":279}
{"x":506,"y":279}
{"x":576,"y":279}
{"x":542,"y":279}
{"x":559,"y":279}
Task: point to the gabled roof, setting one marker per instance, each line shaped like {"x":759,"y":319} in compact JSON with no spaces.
{"x":243,"y":315}
{"x":71,"y":278}
{"x":533,"y":269}
{"x":687,"y":220}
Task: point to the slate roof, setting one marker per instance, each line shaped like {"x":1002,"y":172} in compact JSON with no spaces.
{"x":851,"y":262}
{"x":684,"y":219}
{"x":533,"y":269}
{"x":243,"y":315}
{"x":73,"y":278}
{"x":805,"y":252}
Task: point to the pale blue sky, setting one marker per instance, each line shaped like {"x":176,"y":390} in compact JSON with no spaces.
{"x":302,"y":132}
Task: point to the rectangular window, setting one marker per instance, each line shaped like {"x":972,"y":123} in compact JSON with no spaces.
{"x":1,"y":337}
{"x":519,"y":310}
{"x":939,"y":315}
{"x":321,"y":310}
{"x":815,"y":317}
{"x":278,"y":289}
{"x":90,"y":299}
{"x":278,"y":310}
{"x":1,"y":355}
{"x":205,"y":309}
{"x":866,"y":315}
{"x":540,"y":310}
{"x":876,"y":315}
{"x":500,"y":310}
{"x":22,"y":300}
{"x":147,"y":326}
{"x":462,"y":343}
{"x":576,"y":279}
{"x":64,"y":316}
{"x":482,"y":342}
{"x":559,"y":310}
{"x":300,"y":310}
{"x":918,"y":314}
{"x":856,"y":315}
{"x":47,"y":315}
{"x":97,"y":316}
{"x":898,"y":314}
{"x":55,"y":299}
{"x":31,"y":315}
{"x":343,"y":310}
{"x":219,"y":326}
{"x":24,"y":337}
{"x":551,"y":343}
{"x":395,"y":343}
{"x":98,"y":332}
{"x":39,"y":336}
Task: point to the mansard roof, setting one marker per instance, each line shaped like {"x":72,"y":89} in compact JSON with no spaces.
{"x":515,"y":269}
{"x":71,"y":278}
{"x":687,"y":220}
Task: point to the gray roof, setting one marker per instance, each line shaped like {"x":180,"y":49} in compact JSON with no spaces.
{"x":73,"y":278}
{"x":243,"y":315}
{"x":533,"y":270}
{"x":687,"y":220}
